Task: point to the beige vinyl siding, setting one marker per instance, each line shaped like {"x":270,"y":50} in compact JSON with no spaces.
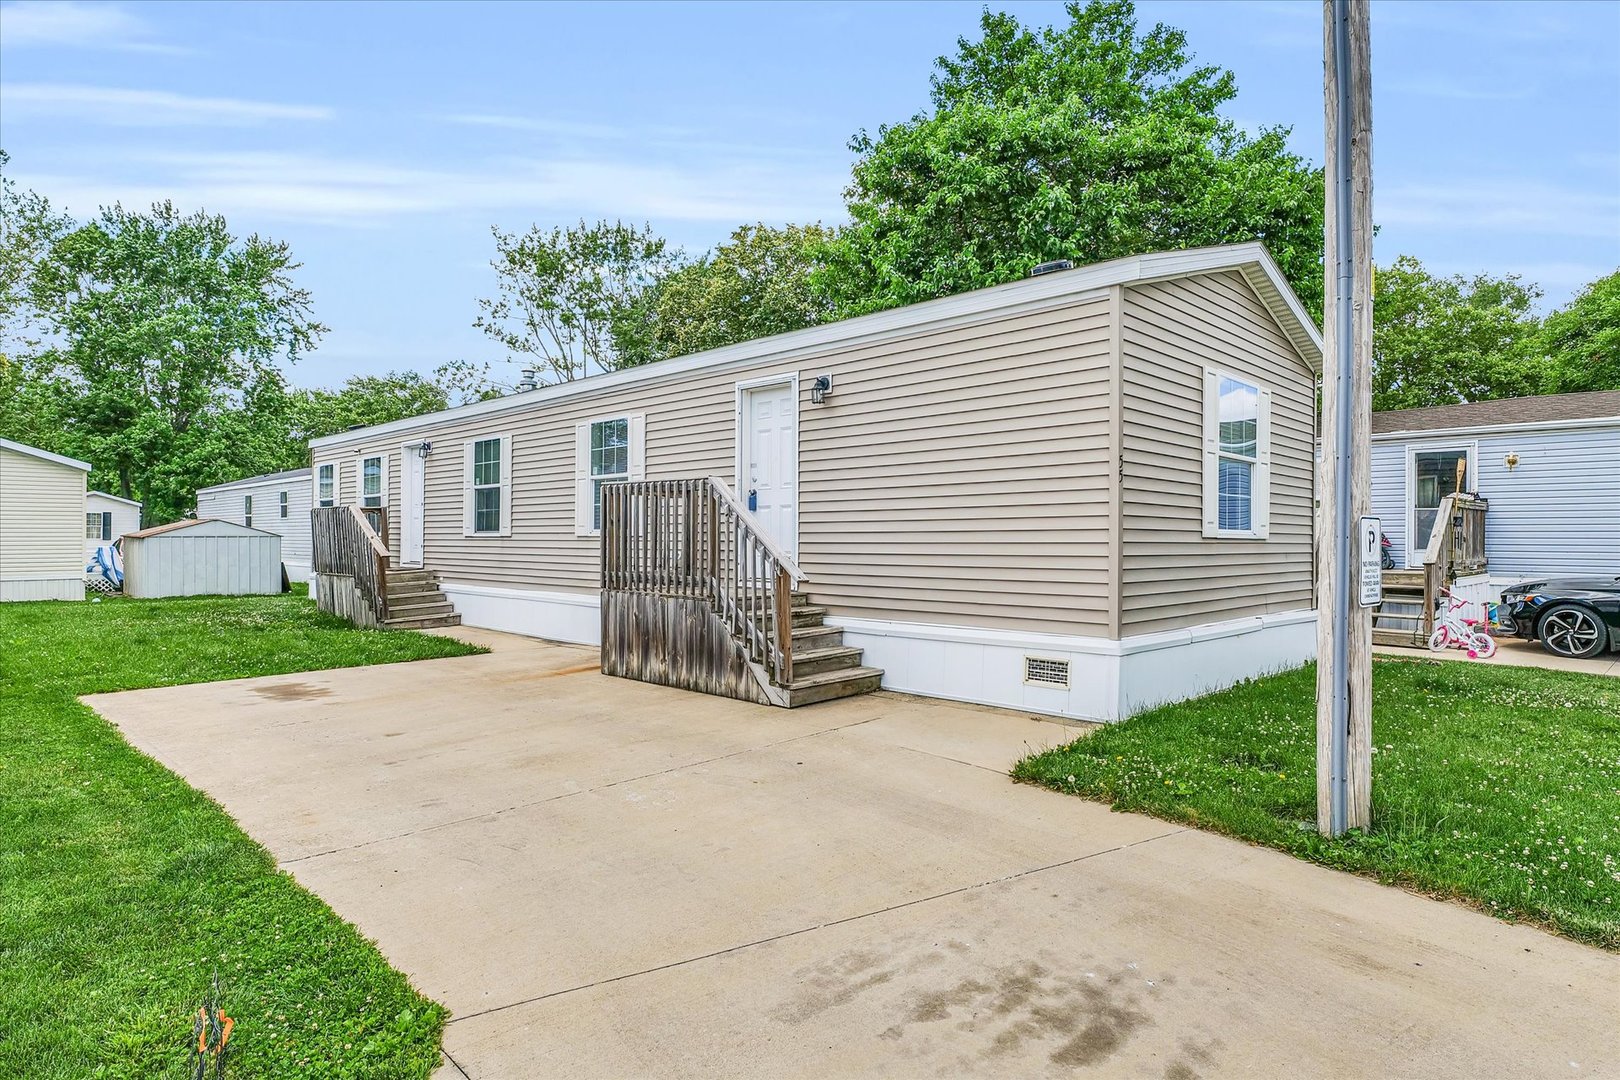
{"x":956,"y":476}
{"x":42,"y":508}
{"x":1172,"y":576}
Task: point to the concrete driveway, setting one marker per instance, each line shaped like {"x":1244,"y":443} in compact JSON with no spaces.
{"x":608,"y":879}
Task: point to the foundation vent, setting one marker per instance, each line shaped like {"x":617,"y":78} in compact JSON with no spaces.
{"x":1045,"y":671}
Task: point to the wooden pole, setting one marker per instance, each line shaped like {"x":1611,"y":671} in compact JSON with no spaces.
{"x":1344,"y":476}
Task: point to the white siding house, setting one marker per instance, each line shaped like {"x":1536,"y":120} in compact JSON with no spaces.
{"x":1548,"y":466}
{"x":275,"y":503}
{"x":106,"y":518}
{"x":42,"y":524}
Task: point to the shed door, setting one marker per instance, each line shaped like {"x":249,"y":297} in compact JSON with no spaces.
{"x":1434,"y":476}
{"x":769,"y":480}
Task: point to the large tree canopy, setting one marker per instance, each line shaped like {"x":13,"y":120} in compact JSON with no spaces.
{"x":1445,"y":340}
{"x":1085,"y":141}
{"x":1582,"y":340}
{"x":162,"y":322}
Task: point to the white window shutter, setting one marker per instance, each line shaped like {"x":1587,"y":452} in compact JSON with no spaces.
{"x":467,"y":487}
{"x":638,"y":446}
{"x":1212,"y":448}
{"x":506,"y":485}
{"x":1261,"y":508}
{"x":582,"y":480}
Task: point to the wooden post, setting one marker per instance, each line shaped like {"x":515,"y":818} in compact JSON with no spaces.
{"x":1344,"y":477}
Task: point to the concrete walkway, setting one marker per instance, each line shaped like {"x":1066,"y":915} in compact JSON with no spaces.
{"x":1516,"y":652}
{"x":608,"y":879}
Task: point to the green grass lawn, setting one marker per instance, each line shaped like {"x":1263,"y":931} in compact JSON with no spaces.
{"x":123,"y":890}
{"x":1495,"y":785}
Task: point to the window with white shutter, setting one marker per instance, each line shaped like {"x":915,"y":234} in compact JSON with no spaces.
{"x":607,"y":450}
{"x":1237,"y":457}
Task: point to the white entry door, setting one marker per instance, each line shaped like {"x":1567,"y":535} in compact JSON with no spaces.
{"x":1432,"y":473}
{"x":769,"y":466}
{"x":412,"y":497}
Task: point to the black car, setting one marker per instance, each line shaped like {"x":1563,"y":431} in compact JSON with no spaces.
{"x":1574,"y":616}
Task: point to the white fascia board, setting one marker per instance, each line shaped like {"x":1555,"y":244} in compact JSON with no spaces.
{"x":114,"y":498}
{"x":279,"y":479}
{"x":800,"y":346}
{"x":45,"y":455}
{"x":1531,"y":427}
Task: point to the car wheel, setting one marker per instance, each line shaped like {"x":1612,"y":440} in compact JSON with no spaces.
{"x":1571,"y":630}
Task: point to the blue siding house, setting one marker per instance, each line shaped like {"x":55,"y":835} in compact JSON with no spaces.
{"x":1549,"y":467}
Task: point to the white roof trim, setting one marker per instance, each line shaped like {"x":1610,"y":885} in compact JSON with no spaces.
{"x":280,"y":479}
{"x":114,"y":498}
{"x":1035,"y":293}
{"x":1528,"y":427}
{"x":45,"y":455}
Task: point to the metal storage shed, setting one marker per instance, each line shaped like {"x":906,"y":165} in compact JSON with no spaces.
{"x":206,"y":556}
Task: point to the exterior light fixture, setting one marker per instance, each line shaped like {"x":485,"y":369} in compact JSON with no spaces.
{"x":1511,"y":461}
{"x":423,"y":449}
{"x":820,"y":389}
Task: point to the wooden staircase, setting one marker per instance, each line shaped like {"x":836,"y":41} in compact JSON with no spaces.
{"x":1399,"y":619}
{"x":824,"y":668}
{"x":415,"y":601}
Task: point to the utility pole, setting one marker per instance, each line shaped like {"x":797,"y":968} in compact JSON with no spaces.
{"x":1344,"y":475}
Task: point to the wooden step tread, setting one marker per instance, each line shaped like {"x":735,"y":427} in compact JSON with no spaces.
{"x":845,"y":675}
{"x":451,"y":619}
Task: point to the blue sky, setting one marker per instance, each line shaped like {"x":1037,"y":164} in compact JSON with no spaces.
{"x":383,"y":141}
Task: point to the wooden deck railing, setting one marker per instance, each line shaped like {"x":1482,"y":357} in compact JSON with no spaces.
{"x":1456,"y":549}
{"x":346,"y":543}
{"x":695,"y":539}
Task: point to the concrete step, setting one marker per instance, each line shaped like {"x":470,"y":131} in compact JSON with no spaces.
{"x":832,"y":658}
{"x":422,"y":624}
{"x":831,"y":685}
{"x":808,"y":615}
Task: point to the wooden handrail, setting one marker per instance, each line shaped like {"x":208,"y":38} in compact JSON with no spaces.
{"x":693,"y":539}
{"x":344,"y":544}
{"x":787,"y":562}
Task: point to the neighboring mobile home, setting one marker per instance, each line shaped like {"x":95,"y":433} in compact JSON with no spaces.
{"x":1082,"y":493}
{"x":106,"y":518}
{"x":275,"y":503}
{"x":41,"y":524}
{"x":1549,"y":468}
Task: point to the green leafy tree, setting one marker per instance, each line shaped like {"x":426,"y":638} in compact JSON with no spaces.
{"x":1582,"y":340}
{"x":1445,"y":340}
{"x":754,"y":285}
{"x":165,"y":320}
{"x":1085,"y":141}
{"x":561,"y":292}
{"x":28,"y":228}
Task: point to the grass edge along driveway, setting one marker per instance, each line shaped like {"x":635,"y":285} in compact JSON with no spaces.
{"x":1498,"y":786}
{"x":126,"y":890}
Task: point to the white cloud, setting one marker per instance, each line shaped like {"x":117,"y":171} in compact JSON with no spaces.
{"x":298,"y":187}
{"x":91,"y":26}
{"x":1513,"y":206}
{"x":538,"y":124}
{"x":144,"y":108}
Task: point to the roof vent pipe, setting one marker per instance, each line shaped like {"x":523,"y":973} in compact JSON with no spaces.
{"x":1051,"y":267}
{"x":527,"y":380}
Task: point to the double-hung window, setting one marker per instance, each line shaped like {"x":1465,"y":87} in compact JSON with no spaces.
{"x":1237,"y":457}
{"x":247,"y":510}
{"x":606,"y":451}
{"x":98,"y":526}
{"x":325,"y":486}
{"x":283,"y":504}
{"x":487,"y":486}
{"x":373,"y":481}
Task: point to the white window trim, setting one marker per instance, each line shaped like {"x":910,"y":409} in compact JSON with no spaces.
{"x":1414,"y":557}
{"x":360,"y":479}
{"x":283,"y":504}
{"x":584,"y":503}
{"x":1260,"y":487}
{"x":247,"y":511}
{"x":468,"y":503}
{"x":318,"y":500}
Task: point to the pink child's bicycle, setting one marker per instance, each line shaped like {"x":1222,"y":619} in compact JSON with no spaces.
{"x":1456,"y":632}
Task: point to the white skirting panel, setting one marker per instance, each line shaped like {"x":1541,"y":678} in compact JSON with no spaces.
{"x":555,"y":616}
{"x":1108,"y":680}
{"x":299,"y":571}
{"x":53,"y":587}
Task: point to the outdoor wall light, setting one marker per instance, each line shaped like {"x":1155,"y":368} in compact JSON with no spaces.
{"x":1511,"y":461}
{"x":423,"y":449}
{"x":820,"y":389}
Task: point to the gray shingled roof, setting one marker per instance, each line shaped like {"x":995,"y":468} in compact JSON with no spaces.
{"x":1549,"y":408}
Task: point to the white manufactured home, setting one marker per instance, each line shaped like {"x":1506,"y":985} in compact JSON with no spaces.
{"x":1083,"y":493}
{"x":42,"y":524}
{"x":106,"y":518}
{"x":1548,"y":469}
{"x":275,"y":503}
